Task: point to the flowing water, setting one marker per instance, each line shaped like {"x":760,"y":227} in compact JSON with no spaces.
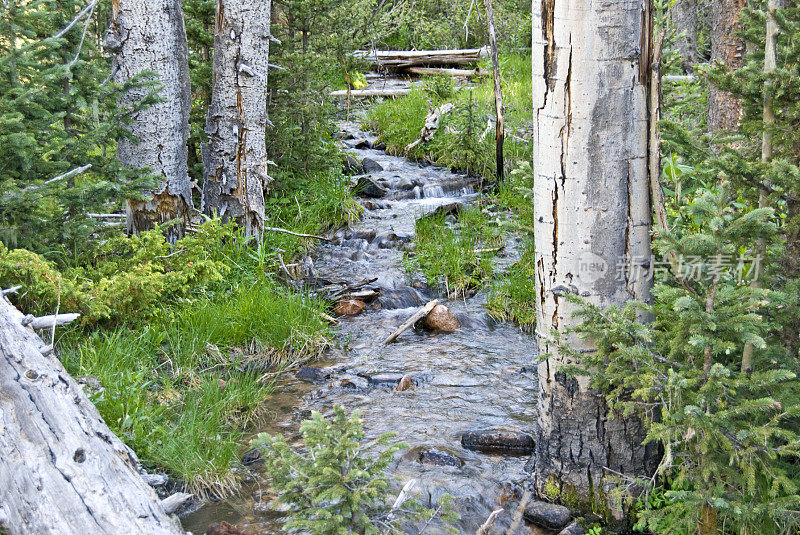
{"x":482,"y":376}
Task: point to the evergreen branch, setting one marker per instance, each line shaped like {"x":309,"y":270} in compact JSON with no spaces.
{"x":79,"y":16}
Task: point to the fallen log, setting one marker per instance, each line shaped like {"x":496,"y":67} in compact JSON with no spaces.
{"x":55,"y":320}
{"x":399,"y":59}
{"x":418,"y":315}
{"x":62,"y":469}
{"x":367,"y":93}
{"x":438,"y":71}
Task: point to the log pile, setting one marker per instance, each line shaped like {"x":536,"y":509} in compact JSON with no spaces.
{"x":397,"y":60}
{"x":62,"y":469}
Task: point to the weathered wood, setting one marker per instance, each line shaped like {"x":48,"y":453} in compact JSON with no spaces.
{"x":292,"y":233}
{"x":431,"y":125}
{"x":486,"y":527}
{"x":438,"y":71}
{"x":53,"y":320}
{"x":62,"y":469}
{"x":235,"y":157}
{"x":150,"y":36}
{"x":175,"y":502}
{"x":418,"y":315}
{"x":368,"y":93}
{"x":399,"y":59}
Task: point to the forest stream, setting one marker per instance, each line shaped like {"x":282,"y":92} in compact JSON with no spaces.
{"x":481,"y":377}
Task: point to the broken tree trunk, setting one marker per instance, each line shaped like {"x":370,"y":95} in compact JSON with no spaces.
{"x":150,"y":36}
{"x":235,"y":157}
{"x":431,"y":125}
{"x":400,"y":59}
{"x":436,"y":71}
{"x":498,"y":91}
{"x":63,"y":470}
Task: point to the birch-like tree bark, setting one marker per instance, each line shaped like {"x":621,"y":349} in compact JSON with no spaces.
{"x":591,"y":65}
{"x":724,"y":111}
{"x":149,"y":35}
{"x":235,"y":157}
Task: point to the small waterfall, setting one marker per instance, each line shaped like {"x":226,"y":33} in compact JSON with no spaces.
{"x":433,"y":190}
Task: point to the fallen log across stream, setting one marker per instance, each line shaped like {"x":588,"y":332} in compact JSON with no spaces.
{"x":62,"y":470}
{"x":400,"y":59}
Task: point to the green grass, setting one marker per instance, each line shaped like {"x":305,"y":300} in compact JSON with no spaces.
{"x":184,"y":386}
{"x":455,"y":257}
{"x":512,"y":297}
{"x":399,"y":121}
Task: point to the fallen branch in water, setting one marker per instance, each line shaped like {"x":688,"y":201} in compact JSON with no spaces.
{"x":418,"y":315}
{"x":512,"y":529}
{"x":484,"y":529}
{"x":298,"y":234}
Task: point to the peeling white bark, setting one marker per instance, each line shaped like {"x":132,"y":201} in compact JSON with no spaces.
{"x":592,"y":205}
{"x":62,"y":469}
{"x":235,"y":158}
{"x":149,"y":35}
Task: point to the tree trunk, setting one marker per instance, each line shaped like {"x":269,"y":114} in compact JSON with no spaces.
{"x":62,"y":469}
{"x":684,"y":18}
{"x":235,"y":157}
{"x":592,"y":206}
{"x":724,"y":111}
{"x":500,"y":132}
{"x":149,"y":35}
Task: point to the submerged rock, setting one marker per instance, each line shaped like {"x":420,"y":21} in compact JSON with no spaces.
{"x":498,"y":441}
{"x":351,"y":307}
{"x":371,"y":166}
{"x":441,"y":319}
{"x":313,"y":374}
{"x":547,"y":515}
{"x":363,"y":144}
{"x":366,"y":187}
{"x":439,"y":458}
{"x":224,"y":528}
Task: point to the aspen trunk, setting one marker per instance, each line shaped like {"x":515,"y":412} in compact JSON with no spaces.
{"x":62,"y":469}
{"x":591,"y":77}
{"x":724,"y":111}
{"x":149,"y":35}
{"x":500,"y":132}
{"x":684,"y":18}
{"x":235,"y":157}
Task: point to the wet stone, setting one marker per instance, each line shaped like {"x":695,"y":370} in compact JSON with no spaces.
{"x":547,"y":515}
{"x":439,"y":458}
{"x":353,"y":383}
{"x":363,"y":144}
{"x":572,"y":529}
{"x":498,"y":441}
{"x":366,"y":187}
{"x":352,"y":165}
{"x":441,"y":319}
{"x":251,"y":457}
{"x":224,"y":528}
{"x":406,"y":383}
{"x":313,"y":374}
{"x":351,"y":307}
{"x":371,"y":166}
{"x":380,"y":145}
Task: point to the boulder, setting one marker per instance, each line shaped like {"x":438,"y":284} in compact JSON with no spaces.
{"x":363,"y":144}
{"x":380,"y":145}
{"x":351,"y":307}
{"x":366,"y":187}
{"x":371,"y":166}
{"x":547,"y":515}
{"x":498,"y":441}
{"x":352,"y":165}
{"x":441,"y":319}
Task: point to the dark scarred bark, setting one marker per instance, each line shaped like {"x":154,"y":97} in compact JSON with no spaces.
{"x":725,"y":111}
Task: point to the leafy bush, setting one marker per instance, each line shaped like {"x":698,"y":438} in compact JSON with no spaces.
{"x":338,"y":483}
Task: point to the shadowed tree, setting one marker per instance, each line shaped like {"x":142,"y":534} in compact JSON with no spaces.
{"x":724,"y":110}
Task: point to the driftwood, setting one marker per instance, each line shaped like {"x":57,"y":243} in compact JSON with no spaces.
{"x":486,"y":528}
{"x":399,"y":59}
{"x":48,"y":322}
{"x":418,"y":315}
{"x":431,"y":125}
{"x":62,"y":469}
{"x":298,"y":234}
{"x":437,"y":71}
{"x":367,"y":93}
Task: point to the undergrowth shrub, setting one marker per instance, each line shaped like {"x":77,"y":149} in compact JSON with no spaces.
{"x":338,"y":483}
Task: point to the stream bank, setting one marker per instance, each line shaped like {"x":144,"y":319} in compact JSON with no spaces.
{"x":483,"y":376}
